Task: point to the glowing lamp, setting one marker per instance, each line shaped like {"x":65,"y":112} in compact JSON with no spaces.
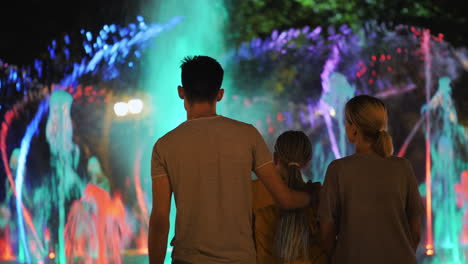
{"x":121,"y":109}
{"x":332,"y":112}
{"x":52,"y":255}
{"x":135,"y":106}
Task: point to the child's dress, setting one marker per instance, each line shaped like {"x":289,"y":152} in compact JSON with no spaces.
{"x":266,"y":215}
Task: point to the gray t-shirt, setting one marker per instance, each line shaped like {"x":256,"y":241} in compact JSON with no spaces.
{"x":370,"y":199}
{"x":209,"y":163}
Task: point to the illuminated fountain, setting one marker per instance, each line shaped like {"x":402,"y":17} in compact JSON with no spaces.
{"x":79,"y":210}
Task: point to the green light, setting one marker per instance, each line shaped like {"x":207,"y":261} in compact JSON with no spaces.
{"x":200,"y":33}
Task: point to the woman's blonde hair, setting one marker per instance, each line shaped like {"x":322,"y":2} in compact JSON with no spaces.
{"x":293,"y":235}
{"x":369,"y":115}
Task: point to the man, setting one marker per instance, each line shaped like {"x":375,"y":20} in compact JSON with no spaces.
{"x":207,"y":162}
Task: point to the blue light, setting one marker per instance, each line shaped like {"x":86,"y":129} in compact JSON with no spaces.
{"x":89,"y":36}
{"x":67,"y":53}
{"x":87,"y":49}
{"x":113,"y":28}
{"x":18,"y":86}
{"x":51,"y":53}
{"x":19,"y":179}
{"x":38,"y":67}
{"x":67,"y":39}
{"x":140,"y":18}
{"x":130,"y":64}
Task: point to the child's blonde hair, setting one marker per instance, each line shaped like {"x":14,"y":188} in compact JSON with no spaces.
{"x":293,"y":236}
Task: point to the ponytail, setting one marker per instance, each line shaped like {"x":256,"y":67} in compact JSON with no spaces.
{"x":369,"y":114}
{"x":383,"y":145}
{"x":292,"y":239}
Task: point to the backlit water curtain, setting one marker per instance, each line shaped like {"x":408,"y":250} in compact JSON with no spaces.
{"x":78,"y":184}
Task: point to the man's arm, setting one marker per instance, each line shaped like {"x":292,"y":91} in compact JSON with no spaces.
{"x":328,"y":231}
{"x":415,"y":231}
{"x":284,"y":197}
{"x":159,"y":220}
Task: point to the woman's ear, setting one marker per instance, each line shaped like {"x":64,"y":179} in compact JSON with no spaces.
{"x":351,"y":132}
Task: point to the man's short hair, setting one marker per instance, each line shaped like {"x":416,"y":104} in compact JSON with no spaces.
{"x":202,"y":77}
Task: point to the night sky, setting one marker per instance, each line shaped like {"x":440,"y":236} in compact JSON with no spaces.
{"x":27,"y":27}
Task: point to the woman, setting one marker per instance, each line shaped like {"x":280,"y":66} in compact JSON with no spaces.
{"x":288,"y":236}
{"x":370,"y":207}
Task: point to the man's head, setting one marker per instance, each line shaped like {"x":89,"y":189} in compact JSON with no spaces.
{"x":202,"y":77}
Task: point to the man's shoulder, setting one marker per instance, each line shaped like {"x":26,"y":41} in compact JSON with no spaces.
{"x":237,"y":123}
{"x":166,"y":138}
{"x":226,"y":123}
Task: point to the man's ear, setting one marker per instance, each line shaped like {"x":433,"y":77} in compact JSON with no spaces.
{"x":181,"y":92}
{"x":220,"y":95}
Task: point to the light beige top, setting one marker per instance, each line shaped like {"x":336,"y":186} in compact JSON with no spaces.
{"x":209,"y":163}
{"x":370,"y":199}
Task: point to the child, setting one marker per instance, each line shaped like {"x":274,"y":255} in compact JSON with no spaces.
{"x":287,"y":236}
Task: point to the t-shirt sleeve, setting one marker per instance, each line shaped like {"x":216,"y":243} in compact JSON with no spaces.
{"x":329,"y":207}
{"x":158,"y":164}
{"x":261,"y":155}
{"x":414,"y":202}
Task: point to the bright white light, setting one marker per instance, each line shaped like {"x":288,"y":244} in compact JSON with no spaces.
{"x":120,"y":108}
{"x":135,"y":106}
{"x":332,"y":112}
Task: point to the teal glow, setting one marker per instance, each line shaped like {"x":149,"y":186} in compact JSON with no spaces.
{"x":64,"y":161}
{"x":448,"y":142}
{"x":200,"y":33}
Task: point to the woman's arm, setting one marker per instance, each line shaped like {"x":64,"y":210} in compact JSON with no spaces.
{"x":328,"y":231}
{"x":415,"y":230}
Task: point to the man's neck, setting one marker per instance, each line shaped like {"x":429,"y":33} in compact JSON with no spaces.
{"x":200,"y":110}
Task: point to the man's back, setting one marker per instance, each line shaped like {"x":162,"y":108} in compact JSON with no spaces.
{"x":209,"y":162}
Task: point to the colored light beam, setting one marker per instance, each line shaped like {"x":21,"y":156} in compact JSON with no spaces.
{"x":427,"y":69}
{"x":9,"y":116}
{"x":141,"y":203}
{"x":19,"y":180}
{"x":410,"y":137}
{"x":328,"y":69}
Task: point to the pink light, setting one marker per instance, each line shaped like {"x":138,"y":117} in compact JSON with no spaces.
{"x":280,"y":117}
{"x":425,"y":45}
{"x":374,"y":58}
{"x":8,"y":117}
